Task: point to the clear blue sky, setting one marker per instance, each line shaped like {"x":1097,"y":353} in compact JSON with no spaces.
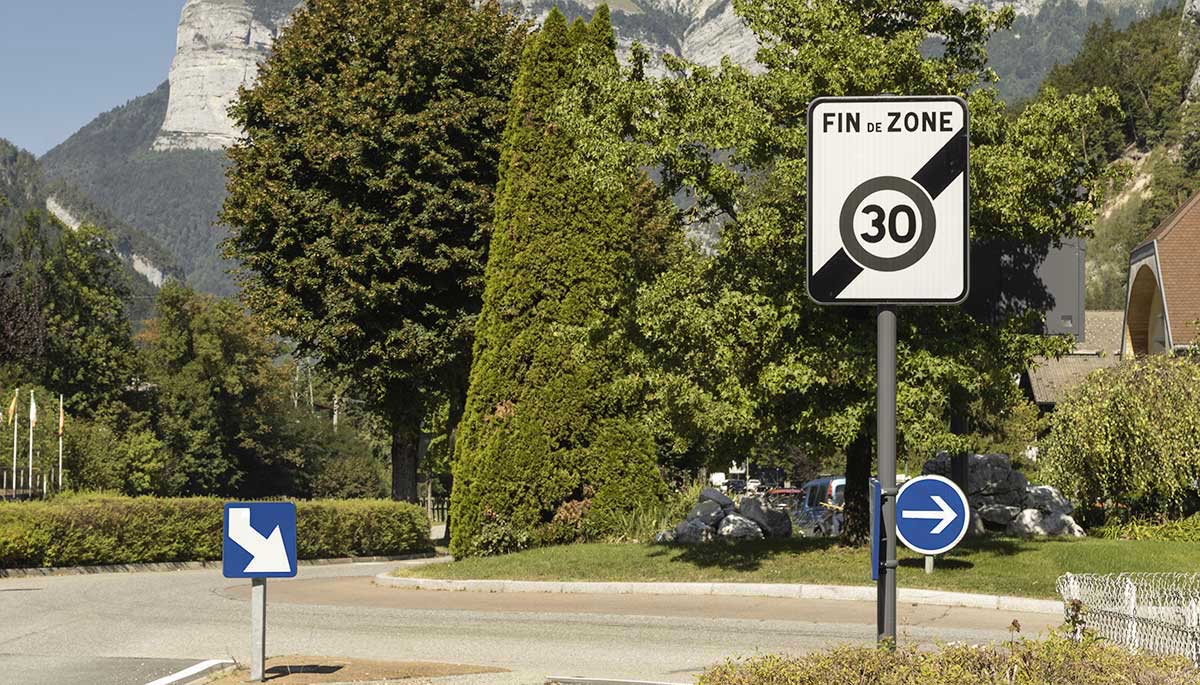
{"x":62,"y":62}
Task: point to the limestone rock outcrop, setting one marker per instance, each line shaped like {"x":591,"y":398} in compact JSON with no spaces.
{"x":219,"y":45}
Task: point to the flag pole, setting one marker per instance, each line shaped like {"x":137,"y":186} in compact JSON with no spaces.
{"x":32,"y":422}
{"x":60,"y":432}
{"x":15,"y":420}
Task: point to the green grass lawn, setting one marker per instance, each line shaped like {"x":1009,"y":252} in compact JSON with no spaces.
{"x":1001,"y":566}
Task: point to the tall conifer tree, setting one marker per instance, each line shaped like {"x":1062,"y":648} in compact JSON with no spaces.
{"x":551,"y":414}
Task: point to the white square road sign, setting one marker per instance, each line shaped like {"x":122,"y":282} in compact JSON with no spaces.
{"x":887,"y":200}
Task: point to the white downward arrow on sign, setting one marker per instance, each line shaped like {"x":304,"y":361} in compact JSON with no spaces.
{"x":946,"y":515}
{"x":268,"y":554}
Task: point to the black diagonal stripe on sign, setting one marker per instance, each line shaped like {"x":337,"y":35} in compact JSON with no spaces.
{"x":832,"y":278}
{"x":945,"y":166}
{"x":938,"y":173}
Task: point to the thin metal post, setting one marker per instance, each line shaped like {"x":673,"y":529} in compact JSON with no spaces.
{"x":258,"y":628}
{"x":928,"y":565}
{"x":885,"y":398}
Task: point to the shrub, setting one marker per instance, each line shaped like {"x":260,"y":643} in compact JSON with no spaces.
{"x":1130,"y":435}
{"x":1057,"y":660}
{"x":1183,"y":530}
{"x":98,"y":529}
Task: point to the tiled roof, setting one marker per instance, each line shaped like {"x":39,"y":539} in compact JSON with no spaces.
{"x":1049,"y":379}
{"x":1102,"y":330}
{"x":1178,"y":239}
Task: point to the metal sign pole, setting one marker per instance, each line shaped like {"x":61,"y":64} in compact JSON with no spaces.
{"x":258,"y":628}
{"x":885,"y":398}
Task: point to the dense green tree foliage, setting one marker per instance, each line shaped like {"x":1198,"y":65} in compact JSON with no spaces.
{"x":552,"y":412}
{"x":1143,"y":66}
{"x":743,"y":362}
{"x":361,"y":195}
{"x":1036,"y":43}
{"x":89,"y":349}
{"x":1129,"y":437}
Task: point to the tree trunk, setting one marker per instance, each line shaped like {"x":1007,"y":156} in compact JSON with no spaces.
{"x":406,"y":437}
{"x":856,"y":517}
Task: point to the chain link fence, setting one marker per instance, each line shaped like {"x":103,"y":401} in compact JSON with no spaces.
{"x":1157,"y":613}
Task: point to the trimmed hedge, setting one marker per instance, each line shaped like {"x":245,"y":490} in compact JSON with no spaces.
{"x":1054,"y":661}
{"x":100,"y":530}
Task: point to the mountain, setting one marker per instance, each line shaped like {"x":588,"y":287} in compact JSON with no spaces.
{"x":24,"y":189}
{"x":156,"y":162}
{"x":171,"y":197}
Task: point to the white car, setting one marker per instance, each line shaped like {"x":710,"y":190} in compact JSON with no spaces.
{"x":753,"y":485}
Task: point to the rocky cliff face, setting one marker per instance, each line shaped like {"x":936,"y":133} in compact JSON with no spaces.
{"x":219,"y":46}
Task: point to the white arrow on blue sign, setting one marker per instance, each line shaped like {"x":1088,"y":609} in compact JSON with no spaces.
{"x":932,"y":515}
{"x":260,"y":540}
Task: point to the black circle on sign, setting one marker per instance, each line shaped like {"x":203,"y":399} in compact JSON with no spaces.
{"x":910,"y":190}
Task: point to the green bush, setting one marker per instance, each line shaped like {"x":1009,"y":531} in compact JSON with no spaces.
{"x":90,"y":530}
{"x":1129,"y":437}
{"x":1054,"y":661}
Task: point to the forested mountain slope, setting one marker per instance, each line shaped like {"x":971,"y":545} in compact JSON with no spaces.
{"x":23,"y":190}
{"x":170,"y":197}
{"x":1154,"y":138}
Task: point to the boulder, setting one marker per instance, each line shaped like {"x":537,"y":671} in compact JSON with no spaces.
{"x":991,"y":479}
{"x":707,"y":512}
{"x":998,"y":514}
{"x":976,"y":528}
{"x":715,"y":495}
{"x":773,"y":522}
{"x":738,"y":527}
{"x":693,"y":532}
{"x":1047,"y":499}
{"x":1031,"y":523}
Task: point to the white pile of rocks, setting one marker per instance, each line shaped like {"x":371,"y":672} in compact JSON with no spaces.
{"x":1002,"y":500}
{"x":716,"y":517}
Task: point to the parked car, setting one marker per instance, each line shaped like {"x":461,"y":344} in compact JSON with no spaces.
{"x":753,"y":486}
{"x":787,"y":498}
{"x":735,"y":486}
{"x":819,"y":510}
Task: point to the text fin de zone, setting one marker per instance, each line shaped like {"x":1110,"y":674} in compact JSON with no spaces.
{"x":894,"y":122}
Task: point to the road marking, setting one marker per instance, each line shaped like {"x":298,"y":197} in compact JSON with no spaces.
{"x":189,"y":671}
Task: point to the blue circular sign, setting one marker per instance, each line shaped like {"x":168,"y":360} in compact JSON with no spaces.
{"x":932,"y":515}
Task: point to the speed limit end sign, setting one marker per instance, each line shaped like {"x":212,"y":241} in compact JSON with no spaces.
{"x":887,"y":200}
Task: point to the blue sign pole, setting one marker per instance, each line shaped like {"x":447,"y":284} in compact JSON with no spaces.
{"x":259,"y":543}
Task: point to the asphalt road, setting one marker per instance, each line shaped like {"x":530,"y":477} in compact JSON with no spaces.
{"x":129,"y":629}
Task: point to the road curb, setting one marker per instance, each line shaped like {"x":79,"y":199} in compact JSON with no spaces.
{"x":185,"y":566}
{"x":783,"y":590}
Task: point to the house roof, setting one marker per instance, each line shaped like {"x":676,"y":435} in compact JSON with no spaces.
{"x":1177,"y":244}
{"x":1101,"y":348}
{"x":1102,"y":329}
{"x":1050,"y":379}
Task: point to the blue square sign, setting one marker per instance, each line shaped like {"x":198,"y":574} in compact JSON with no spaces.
{"x":260,"y":540}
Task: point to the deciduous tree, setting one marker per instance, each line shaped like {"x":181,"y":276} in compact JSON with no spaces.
{"x":361,"y":194}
